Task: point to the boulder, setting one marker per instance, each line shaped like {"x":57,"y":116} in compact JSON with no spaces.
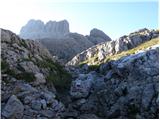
{"x":14,"y":108}
{"x":40,"y":79}
{"x":81,"y":86}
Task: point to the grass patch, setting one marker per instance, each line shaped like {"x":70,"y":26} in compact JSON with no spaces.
{"x":93,"y":67}
{"x":58,"y":76}
{"x":24,"y":44}
{"x":27,"y":76}
{"x":122,"y":54}
{"x":142,"y":46}
{"x":4,"y":65}
{"x":6,"y":69}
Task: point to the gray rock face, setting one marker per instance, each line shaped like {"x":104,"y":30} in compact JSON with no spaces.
{"x":125,"y":88}
{"x":81,"y":86}
{"x":36,"y":29}
{"x":97,"y":36}
{"x":113,"y":47}
{"x":14,"y":108}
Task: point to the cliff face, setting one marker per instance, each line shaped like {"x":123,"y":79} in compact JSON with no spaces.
{"x":36,"y":29}
{"x":98,"y":53}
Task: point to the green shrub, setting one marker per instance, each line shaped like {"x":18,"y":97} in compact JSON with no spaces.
{"x":24,"y":44}
{"x":27,"y":76}
{"x":4,"y":65}
{"x":6,"y":69}
{"x":57,"y":75}
{"x":93,"y":67}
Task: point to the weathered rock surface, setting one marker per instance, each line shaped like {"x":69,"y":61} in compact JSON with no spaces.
{"x":124,"y":43}
{"x":27,"y":68}
{"x":14,"y":108}
{"x":130,"y":91}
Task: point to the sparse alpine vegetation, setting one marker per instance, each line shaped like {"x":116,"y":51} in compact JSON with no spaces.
{"x":141,"y":47}
{"x":101,"y":52}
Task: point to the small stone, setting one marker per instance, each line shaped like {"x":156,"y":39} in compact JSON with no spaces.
{"x":44,"y":104}
{"x":36,"y":105}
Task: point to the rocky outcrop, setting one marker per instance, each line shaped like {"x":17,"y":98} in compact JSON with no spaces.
{"x":124,"y":43}
{"x":97,"y":36}
{"x":125,"y":88}
{"x":36,"y":29}
{"x":29,"y":79}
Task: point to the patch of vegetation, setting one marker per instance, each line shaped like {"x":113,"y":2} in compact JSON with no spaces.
{"x":24,"y":44}
{"x":142,"y":46}
{"x":57,"y":75}
{"x":27,"y":76}
{"x":132,"y":111}
{"x":26,"y":59}
{"x":93,"y":67}
{"x":4,"y":65}
{"x":91,"y":60}
{"x":21,"y":76}
{"x":6,"y":69}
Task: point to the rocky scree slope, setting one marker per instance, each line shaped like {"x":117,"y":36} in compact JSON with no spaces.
{"x":30,"y":79}
{"x":98,"y":53}
{"x":124,"y":88}
{"x":58,"y":40}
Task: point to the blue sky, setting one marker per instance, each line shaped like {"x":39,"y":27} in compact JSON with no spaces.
{"x":115,"y":18}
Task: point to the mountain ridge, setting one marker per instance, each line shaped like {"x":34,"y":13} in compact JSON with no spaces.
{"x":126,"y":42}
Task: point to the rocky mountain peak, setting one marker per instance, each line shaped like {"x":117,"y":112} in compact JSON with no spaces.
{"x":99,"y":33}
{"x":36,"y":29}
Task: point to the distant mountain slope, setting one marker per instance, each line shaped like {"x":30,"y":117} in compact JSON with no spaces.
{"x":36,"y":29}
{"x":98,"y":53}
{"x":59,"y":41}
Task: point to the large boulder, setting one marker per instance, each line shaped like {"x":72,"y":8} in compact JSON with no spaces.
{"x":14,"y":108}
{"x":81,"y":87}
